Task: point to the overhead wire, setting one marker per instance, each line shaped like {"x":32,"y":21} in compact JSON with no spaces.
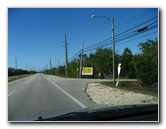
{"x":136,"y":26}
{"x":135,"y":38}
{"x":98,"y":24}
{"x":108,"y":27}
{"x":133,"y":23}
{"x":130,"y":15}
{"x":120,"y":37}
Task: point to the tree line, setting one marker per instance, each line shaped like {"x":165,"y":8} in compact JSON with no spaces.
{"x":143,"y":66}
{"x":15,"y":72}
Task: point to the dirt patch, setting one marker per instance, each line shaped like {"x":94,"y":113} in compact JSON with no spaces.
{"x":102,"y":94}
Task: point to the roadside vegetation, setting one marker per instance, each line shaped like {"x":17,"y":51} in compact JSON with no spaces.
{"x":13,"y":78}
{"x":15,"y":74}
{"x":134,"y":86}
{"x":142,"y":66}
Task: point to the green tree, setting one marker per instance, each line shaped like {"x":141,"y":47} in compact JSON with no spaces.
{"x":125,"y":59}
{"x":73,"y":68}
{"x":101,"y":61}
{"x":146,"y":63}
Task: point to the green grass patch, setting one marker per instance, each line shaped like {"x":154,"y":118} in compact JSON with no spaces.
{"x":134,"y":86}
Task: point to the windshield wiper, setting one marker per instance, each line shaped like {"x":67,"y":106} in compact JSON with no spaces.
{"x":65,"y":117}
{"x":118,"y":113}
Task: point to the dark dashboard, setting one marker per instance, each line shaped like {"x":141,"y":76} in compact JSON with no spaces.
{"x":127,"y":113}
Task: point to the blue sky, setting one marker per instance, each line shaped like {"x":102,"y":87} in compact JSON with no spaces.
{"x":36,"y":34}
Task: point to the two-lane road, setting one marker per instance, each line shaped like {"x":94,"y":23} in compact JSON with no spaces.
{"x":41,"y":95}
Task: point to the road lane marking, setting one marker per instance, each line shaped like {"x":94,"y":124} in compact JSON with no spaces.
{"x":24,"y":84}
{"x":70,"y":96}
{"x":11,"y":92}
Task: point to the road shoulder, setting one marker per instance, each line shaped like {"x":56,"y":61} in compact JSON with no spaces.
{"x":101,"y":94}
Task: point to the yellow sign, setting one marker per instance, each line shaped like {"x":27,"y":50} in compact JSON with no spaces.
{"x":87,"y":71}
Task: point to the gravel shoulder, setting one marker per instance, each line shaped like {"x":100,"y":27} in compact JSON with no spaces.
{"x":101,"y":94}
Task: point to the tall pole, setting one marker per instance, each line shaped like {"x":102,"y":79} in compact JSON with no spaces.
{"x":16,"y":66}
{"x":46,"y":67}
{"x":16,"y":63}
{"x":26,"y":66}
{"x":81,"y":58}
{"x":113,"y":44}
{"x":58,"y":66}
{"x":113,"y":51}
{"x":50,"y":63}
{"x":66,"y":56}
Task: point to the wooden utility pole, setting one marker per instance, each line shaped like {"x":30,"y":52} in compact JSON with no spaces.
{"x":66,"y":55}
{"x":113,"y":50}
{"x":50,"y":63}
{"x":16,"y":66}
{"x":81,"y":58}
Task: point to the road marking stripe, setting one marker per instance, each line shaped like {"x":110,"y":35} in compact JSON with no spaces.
{"x":11,"y":92}
{"x":70,"y":96}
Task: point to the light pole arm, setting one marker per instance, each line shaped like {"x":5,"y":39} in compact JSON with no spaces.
{"x":94,"y":16}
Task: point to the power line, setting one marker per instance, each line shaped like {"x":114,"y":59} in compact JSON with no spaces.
{"x":76,"y":55}
{"x":130,"y":15}
{"x":106,"y":43}
{"x":120,"y":36}
{"x":127,"y":17}
{"x":136,"y":33}
{"x":136,"y":38}
{"x":132,"y":32}
{"x":136,"y":26}
{"x":140,"y":19}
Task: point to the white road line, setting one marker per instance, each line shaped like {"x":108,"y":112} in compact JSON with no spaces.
{"x":70,"y":96}
{"x":11,"y":92}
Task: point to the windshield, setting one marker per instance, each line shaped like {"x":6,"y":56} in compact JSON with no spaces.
{"x":108,"y":62}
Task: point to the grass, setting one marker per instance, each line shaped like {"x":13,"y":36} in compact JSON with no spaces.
{"x":13,"y":78}
{"x":135,"y":87}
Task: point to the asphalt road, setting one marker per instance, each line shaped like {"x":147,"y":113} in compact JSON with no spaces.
{"x":43,"y":95}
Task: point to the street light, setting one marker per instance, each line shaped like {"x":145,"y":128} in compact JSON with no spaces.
{"x":113,"y":43}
